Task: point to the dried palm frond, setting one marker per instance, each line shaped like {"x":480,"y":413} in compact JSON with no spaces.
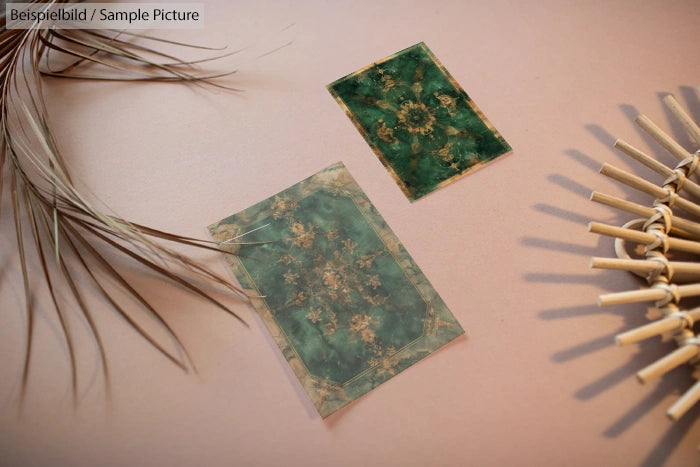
{"x":71,"y":239}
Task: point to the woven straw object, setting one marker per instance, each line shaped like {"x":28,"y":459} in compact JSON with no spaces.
{"x":664,"y":229}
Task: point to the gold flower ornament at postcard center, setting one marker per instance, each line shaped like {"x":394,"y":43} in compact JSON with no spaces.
{"x":416,"y":118}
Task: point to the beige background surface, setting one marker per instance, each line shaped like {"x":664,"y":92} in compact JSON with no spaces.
{"x":538,"y":381}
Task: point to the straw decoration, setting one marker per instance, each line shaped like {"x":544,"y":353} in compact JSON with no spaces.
{"x":664,"y":228}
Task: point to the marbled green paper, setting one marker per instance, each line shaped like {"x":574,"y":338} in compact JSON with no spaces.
{"x":338,"y":292}
{"x":421,"y":124}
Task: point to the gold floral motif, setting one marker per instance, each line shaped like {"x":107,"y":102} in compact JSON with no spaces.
{"x":383,"y":358}
{"x":227,"y":232}
{"x":290,"y":277}
{"x":376,"y":300}
{"x":298,"y":228}
{"x":388,"y":82}
{"x":332,"y":235}
{"x":331,"y":324}
{"x":450,"y":103}
{"x":287,"y":259}
{"x":368,"y":335}
{"x":348,"y":245}
{"x":417,"y":88}
{"x":366,"y":261}
{"x":326,"y":388}
{"x":374,"y":281}
{"x":336,"y":187}
{"x":385,"y":104}
{"x":304,"y":238}
{"x":298,"y":298}
{"x":331,"y":279}
{"x":281,"y":205}
{"x":445,"y":153}
{"x":416,"y":117}
{"x":387,"y":365}
{"x":419,"y":75}
{"x":314,"y":315}
{"x":360,"y":324}
{"x":385,"y":133}
{"x":433,"y":323}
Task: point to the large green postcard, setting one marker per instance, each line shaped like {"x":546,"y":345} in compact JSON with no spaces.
{"x":421,"y":124}
{"x":337,"y":291}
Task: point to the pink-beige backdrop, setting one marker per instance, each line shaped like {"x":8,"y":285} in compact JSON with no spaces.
{"x":538,"y":380}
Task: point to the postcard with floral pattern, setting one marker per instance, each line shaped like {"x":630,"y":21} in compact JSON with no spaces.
{"x":421,"y":124}
{"x":338,"y":292}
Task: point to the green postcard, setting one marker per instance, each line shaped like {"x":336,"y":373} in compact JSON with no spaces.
{"x":337,"y":291}
{"x":421,"y":124}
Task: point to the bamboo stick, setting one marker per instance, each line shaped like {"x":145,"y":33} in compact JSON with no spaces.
{"x":638,"y":183}
{"x":667,"y":363}
{"x":644,"y":295}
{"x":631,"y":296}
{"x":680,"y":226}
{"x":643,"y":158}
{"x":626,"y":148}
{"x":662,"y":138}
{"x":631,"y":265}
{"x":623,"y":233}
{"x":690,"y":126}
{"x":645,"y":186}
{"x":643,"y":266}
{"x":675,"y":244}
{"x":685,"y":402}
{"x":622,"y":204}
{"x":654,"y":328}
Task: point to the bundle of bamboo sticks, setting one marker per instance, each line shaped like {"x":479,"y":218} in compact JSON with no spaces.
{"x":661,"y":230}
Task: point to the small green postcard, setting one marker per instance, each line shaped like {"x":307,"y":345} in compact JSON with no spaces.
{"x":340,"y":295}
{"x":421,"y":124}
